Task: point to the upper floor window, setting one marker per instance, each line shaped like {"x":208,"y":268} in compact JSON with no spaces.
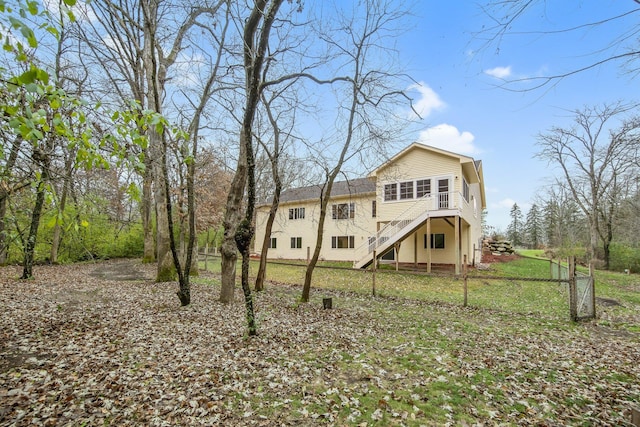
{"x":465,"y":190}
{"x":296,"y":213}
{"x":343,"y":211}
{"x":423,"y":187}
{"x":390,"y":192}
{"x":406,"y":190}
{"x":374,"y":209}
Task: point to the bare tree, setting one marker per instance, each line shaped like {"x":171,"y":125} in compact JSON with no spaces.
{"x":592,"y":167}
{"x":563,"y":222}
{"x":277,"y":109}
{"x":370,"y":92}
{"x":256,"y":31}
{"x":258,"y":57}
{"x":505,"y":16}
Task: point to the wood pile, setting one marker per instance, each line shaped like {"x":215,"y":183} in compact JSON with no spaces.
{"x":497,"y":247}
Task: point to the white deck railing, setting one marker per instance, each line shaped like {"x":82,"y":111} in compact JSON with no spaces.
{"x":393,"y":230}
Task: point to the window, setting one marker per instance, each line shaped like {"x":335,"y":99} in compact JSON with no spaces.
{"x":465,"y":190}
{"x":273,"y":243}
{"x":390,"y":192}
{"x":343,"y":211}
{"x":423,"y":187}
{"x":374,"y":209}
{"x":296,"y":242}
{"x":406,"y":190}
{"x":296,"y":213}
{"x":342,"y":242}
{"x":437,"y":241}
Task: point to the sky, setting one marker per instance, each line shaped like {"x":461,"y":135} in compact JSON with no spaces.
{"x":466,"y":107}
{"x":468,"y":110}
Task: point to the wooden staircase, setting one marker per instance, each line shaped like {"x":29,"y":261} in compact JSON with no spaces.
{"x":393,"y":232}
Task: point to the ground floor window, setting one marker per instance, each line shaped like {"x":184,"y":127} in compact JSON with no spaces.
{"x":273,"y":243}
{"x":389,"y":256}
{"x":296,"y":242}
{"x":437,"y":241}
{"x":342,"y":242}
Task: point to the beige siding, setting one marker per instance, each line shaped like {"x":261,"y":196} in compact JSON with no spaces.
{"x":417,"y":162}
{"x":438,"y":256}
{"x":284,"y":229}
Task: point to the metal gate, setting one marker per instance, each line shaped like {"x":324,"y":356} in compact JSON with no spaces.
{"x":585,"y":297}
{"x":582,"y":300}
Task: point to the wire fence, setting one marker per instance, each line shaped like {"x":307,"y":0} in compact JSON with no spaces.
{"x":548,"y":294}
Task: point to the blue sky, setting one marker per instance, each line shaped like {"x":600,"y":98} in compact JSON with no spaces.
{"x":468,"y":112}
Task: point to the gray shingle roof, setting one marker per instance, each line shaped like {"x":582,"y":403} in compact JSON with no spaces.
{"x":340,"y":188}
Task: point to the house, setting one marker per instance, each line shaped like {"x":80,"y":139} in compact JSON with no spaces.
{"x":422,"y":207}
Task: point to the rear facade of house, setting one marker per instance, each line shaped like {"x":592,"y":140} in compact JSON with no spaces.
{"x":423,"y":207}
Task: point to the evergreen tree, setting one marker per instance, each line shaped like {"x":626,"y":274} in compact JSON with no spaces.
{"x":533,"y":227}
{"x":514,"y":231}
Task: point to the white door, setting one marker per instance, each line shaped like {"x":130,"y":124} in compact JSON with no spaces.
{"x":443,"y":193}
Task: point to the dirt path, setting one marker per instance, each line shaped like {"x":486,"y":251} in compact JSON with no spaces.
{"x":123,"y":270}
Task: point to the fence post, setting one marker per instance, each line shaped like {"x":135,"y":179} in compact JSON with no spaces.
{"x":560,"y":268}
{"x":373,"y":274}
{"x":573,"y":297}
{"x":551,"y":267}
{"x":464,"y":270}
{"x":206,"y":253}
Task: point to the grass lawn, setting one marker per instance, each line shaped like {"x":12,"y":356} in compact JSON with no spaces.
{"x":80,"y":348}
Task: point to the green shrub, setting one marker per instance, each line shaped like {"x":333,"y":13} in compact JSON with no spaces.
{"x":624,"y":257}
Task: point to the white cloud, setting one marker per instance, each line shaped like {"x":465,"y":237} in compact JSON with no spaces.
{"x":428,"y":101}
{"x":499,"y":72}
{"x":504,"y":203}
{"x":449,"y":138}
{"x":187,"y":69}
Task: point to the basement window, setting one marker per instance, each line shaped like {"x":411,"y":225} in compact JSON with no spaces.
{"x":437,"y":241}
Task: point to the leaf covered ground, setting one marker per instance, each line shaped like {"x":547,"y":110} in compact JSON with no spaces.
{"x":87,"y":345}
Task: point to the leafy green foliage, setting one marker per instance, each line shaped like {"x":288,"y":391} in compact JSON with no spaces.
{"x":625,"y":257}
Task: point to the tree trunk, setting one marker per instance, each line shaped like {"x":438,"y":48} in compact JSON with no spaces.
{"x":262,"y":269}
{"x":155,"y":77}
{"x":29,"y":249}
{"x":11,"y":161}
{"x":243,"y":236}
{"x":229,"y":250}
{"x":306,"y":288}
{"x":57,"y":229}
{"x":149,"y":252}
{"x":607,"y":239}
{"x":326,"y":194}
{"x":3,"y":232}
{"x":593,"y":239}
